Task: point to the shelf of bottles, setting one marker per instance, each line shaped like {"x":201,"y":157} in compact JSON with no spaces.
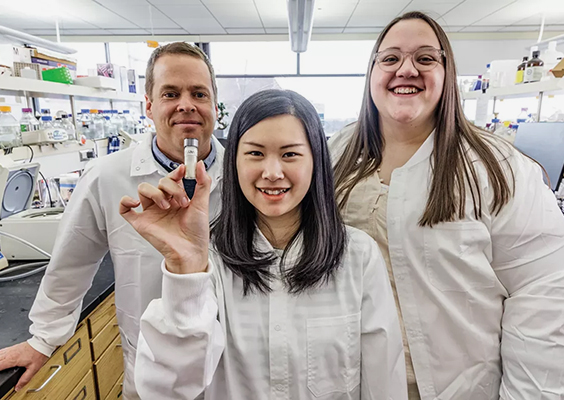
{"x":552,"y":86}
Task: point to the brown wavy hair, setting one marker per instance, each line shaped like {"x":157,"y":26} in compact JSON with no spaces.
{"x":455,"y":137}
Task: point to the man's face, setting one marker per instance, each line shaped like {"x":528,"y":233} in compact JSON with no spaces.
{"x":182,"y":104}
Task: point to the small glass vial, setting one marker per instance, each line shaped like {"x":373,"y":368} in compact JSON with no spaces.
{"x":190,"y":157}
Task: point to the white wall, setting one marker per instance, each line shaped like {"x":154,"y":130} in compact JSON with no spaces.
{"x":472,"y":56}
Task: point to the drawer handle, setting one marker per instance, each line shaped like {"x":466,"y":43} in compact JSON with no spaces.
{"x":69,"y":358}
{"x":115,"y":325}
{"x":118,"y":345}
{"x":83,"y":392}
{"x":57,"y":369}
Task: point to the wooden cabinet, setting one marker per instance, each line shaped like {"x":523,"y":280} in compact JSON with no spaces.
{"x":117,"y":390}
{"x":88,"y":367}
{"x":85,"y":390}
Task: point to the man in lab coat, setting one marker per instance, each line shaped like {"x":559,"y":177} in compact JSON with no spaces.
{"x":182,"y":101}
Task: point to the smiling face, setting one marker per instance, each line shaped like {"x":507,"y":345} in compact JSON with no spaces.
{"x":275,"y":168}
{"x":182,"y":104}
{"x":407,"y":96}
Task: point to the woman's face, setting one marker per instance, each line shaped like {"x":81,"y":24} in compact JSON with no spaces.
{"x":275,"y":167}
{"x":407,"y":96}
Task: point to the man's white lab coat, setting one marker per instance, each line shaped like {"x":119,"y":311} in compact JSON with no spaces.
{"x":92,"y":226}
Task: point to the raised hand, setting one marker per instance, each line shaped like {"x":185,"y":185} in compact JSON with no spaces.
{"x":174,"y":225}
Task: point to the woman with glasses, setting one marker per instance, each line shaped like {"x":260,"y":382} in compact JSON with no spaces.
{"x":472,"y":237}
{"x":288,"y":303}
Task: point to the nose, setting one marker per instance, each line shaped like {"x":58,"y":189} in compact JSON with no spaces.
{"x":407,"y":68}
{"x":185,"y":104}
{"x":272,"y":169}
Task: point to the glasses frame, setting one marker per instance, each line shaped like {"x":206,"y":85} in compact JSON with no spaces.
{"x":404,"y":56}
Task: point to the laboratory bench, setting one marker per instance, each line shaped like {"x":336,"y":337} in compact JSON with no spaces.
{"x":89,"y":366}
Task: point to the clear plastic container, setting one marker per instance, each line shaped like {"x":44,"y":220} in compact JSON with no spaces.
{"x":98,"y":125}
{"x":10,"y":130}
{"x":142,"y":124}
{"x":69,"y":127}
{"x":59,"y":130}
{"x":46,"y":122}
{"x":523,"y":115}
{"x":45,"y":112}
{"x":84,"y":127}
{"x":116,"y":120}
{"x":129,"y":122}
{"x":109,"y":128}
{"x":28,"y":123}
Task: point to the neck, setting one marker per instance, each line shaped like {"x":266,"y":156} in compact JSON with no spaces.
{"x":204,"y":150}
{"x":410,"y":135}
{"x":278,"y":231}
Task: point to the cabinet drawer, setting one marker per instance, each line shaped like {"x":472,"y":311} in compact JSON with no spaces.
{"x":101,"y":316}
{"x":85,"y":389}
{"x":106,"y":336}
{"x":63,"y":371}
{"x":109,"y":368}
{"x":116,"y":392}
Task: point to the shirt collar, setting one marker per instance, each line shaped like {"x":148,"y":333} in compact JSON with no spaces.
{"x":170,"y":165}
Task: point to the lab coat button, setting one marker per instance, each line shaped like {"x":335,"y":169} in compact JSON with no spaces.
{"x":277,"y":328}
{"x":142,"y":161}
{"x":280,"y":387}
{"x":137,"y":169}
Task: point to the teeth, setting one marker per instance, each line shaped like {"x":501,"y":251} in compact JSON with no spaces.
{"x":405,"y":90}
{"x":273,"y":192}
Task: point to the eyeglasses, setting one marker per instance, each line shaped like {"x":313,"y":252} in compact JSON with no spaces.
{"x":424,"y":59}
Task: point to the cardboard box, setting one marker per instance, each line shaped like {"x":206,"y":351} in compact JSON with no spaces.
{"x":22,"y":54}
{"x":132,"y":80}
{"x":47,"y":61}
{"x":558,"y":71}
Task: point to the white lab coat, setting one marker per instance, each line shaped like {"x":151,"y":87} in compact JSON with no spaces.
{"x":340,"y":341}
{"x":482,"y":300}
{"x":91,"y":226}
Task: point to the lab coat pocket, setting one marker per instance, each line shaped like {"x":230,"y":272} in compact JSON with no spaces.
{"x":456,"y":256}
{"x":333,"y":354}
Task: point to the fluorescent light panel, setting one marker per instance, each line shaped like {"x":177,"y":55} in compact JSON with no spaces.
{"x":300,"y":22}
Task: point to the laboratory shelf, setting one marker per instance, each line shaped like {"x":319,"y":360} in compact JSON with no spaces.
{"x":553,"y":86}
{"x":37,"y":88}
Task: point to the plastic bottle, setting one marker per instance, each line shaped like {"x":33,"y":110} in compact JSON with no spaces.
{"x":142,"y":124}
{"x":477,"y":84}
{"x":69,"y":127}
{"x":535,"y":69}
{"x":116,"y":120}
{"x":10,"y":130}
{"x":97,"y":125}
{"x":59,"y":130}
{"x":84,"y":124}
{"x":109,"y":128}
{"x":496,"y":124}
{"x":46,"y":122}
{"x":521,"y":71}
{"x":523,"y":115}
{"x":486,"y":79}
{"x":129,"y":121}
{"x":28,"y":123}
{"x":45,"y":112}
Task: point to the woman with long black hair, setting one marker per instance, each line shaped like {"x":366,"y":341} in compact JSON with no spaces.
{"x":288,"y":303}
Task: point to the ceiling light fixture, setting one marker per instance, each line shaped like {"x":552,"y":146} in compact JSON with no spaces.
{"x":300,"y":21}
{"x":17,"y":37}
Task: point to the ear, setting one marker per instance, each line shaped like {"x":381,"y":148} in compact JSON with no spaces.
{"x":148,"y":107}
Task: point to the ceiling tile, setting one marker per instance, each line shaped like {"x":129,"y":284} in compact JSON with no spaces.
{"x":175,"y":2}
{"x":195,"y":26}
{"x":182,"y":11}
{"x":126,"y":32}
{"x":236,"y":16}
{"x":41,"y":31}
{"x":272,"y":14}
{"x":332,"y":14}
{"x":375,"y":14}
{"x":169,"y":31}
{"x":369,"y":29}
{"x":276,"y":31}
{"x":479,"y":28}
{"x":245,"y":31}
{"x":326,"y":30}
{"x":88,"y":32}
{"x":473,"y":12}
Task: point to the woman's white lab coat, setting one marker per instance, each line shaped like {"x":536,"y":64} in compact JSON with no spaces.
{"x":341,"y":341}
{"x":482,"y":299}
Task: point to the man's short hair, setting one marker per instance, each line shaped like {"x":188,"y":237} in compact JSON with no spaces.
{"x":181,"y":48}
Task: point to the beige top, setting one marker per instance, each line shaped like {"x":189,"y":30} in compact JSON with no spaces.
{"x":380,"y":235}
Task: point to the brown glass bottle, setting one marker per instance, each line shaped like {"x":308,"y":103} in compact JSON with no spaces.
{"x":534,"y":69}
{"x":521,"y":71}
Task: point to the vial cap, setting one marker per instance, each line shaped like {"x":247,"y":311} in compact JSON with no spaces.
{"x":191,"y":142}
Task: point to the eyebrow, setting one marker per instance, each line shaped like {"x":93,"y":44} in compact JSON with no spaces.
{"x":282,"y":147}
{"x":177,"y":88}
{"x":419,"y":48}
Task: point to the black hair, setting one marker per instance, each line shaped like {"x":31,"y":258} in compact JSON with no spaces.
{"x":321,"y":227}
